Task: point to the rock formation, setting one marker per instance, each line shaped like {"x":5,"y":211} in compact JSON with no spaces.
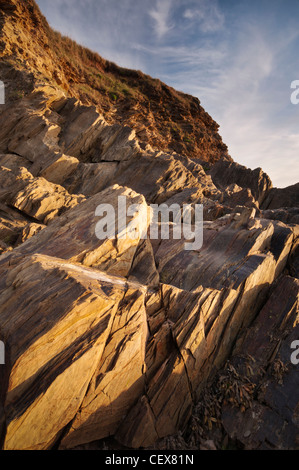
{"x":161,"y":116}
{"x":136,"y":339}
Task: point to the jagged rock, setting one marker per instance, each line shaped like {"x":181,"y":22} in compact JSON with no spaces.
{"x":29,"y":133}
{"x":287,"y":215}
{"x":4,"y":247}
{"x":35,"y":197}
{"x":53,"y":141}
{"x":88,"y":137}
{"x":208,"y":445}
{"x":81,"y":123}
{"x":118,"y":380}
{"x":293,"y":261}
{"x":29,"y":231}
{"x":60,"y":169}
{"x":179,"y":356}
{"x":161,"y":116}
{"x":278,"y":198}
{"x":184,"y":331}
{"x":73,"y":237}
{"x":44,"y":201}
{"x":245,"y":218}
{"x":166,"y":177}
{"x":51,"y":362}
{"x":14,"y":162}
{"x":194,"y":323}
{"x":13,"y":181}
{"x":91,"y":178}
{"x":120,"y":336}
{"x":220,"y":262}
{"x":234,"y":196}
{"x":11,"y":225}
{"x":144,"y":267}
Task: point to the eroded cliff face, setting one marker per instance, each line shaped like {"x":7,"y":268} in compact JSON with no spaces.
{"x":166,"y":119}
{"x":138,"y":339}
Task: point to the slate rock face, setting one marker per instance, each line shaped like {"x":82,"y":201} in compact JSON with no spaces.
{"x":125,"y":337}
{"x":52,"y":352}
{"x":280,"y":198}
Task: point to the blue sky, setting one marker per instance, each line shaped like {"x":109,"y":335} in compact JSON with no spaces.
{"x":238,"y":57}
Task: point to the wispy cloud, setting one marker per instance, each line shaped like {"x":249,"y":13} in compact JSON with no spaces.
{"x":185,"y":56}
{"x":245,"y":87}
{"x":161,"y":16}
{"x":207,"y":14}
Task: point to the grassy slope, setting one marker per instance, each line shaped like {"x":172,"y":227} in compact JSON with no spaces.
{"x":161,"y":116}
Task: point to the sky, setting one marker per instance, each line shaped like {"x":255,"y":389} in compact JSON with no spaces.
{"x":238,"y":57}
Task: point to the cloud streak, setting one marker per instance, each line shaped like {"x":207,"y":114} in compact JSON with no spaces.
{"x":161,"y":16}
{"x":207,"y":14}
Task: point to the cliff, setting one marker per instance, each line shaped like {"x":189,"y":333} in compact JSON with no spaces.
{"x":163,"y":117}
{"x":134,"y":341}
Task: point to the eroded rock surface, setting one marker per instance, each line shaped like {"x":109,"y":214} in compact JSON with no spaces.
{"x":126,"y":337}
{"x":225,"y":173}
